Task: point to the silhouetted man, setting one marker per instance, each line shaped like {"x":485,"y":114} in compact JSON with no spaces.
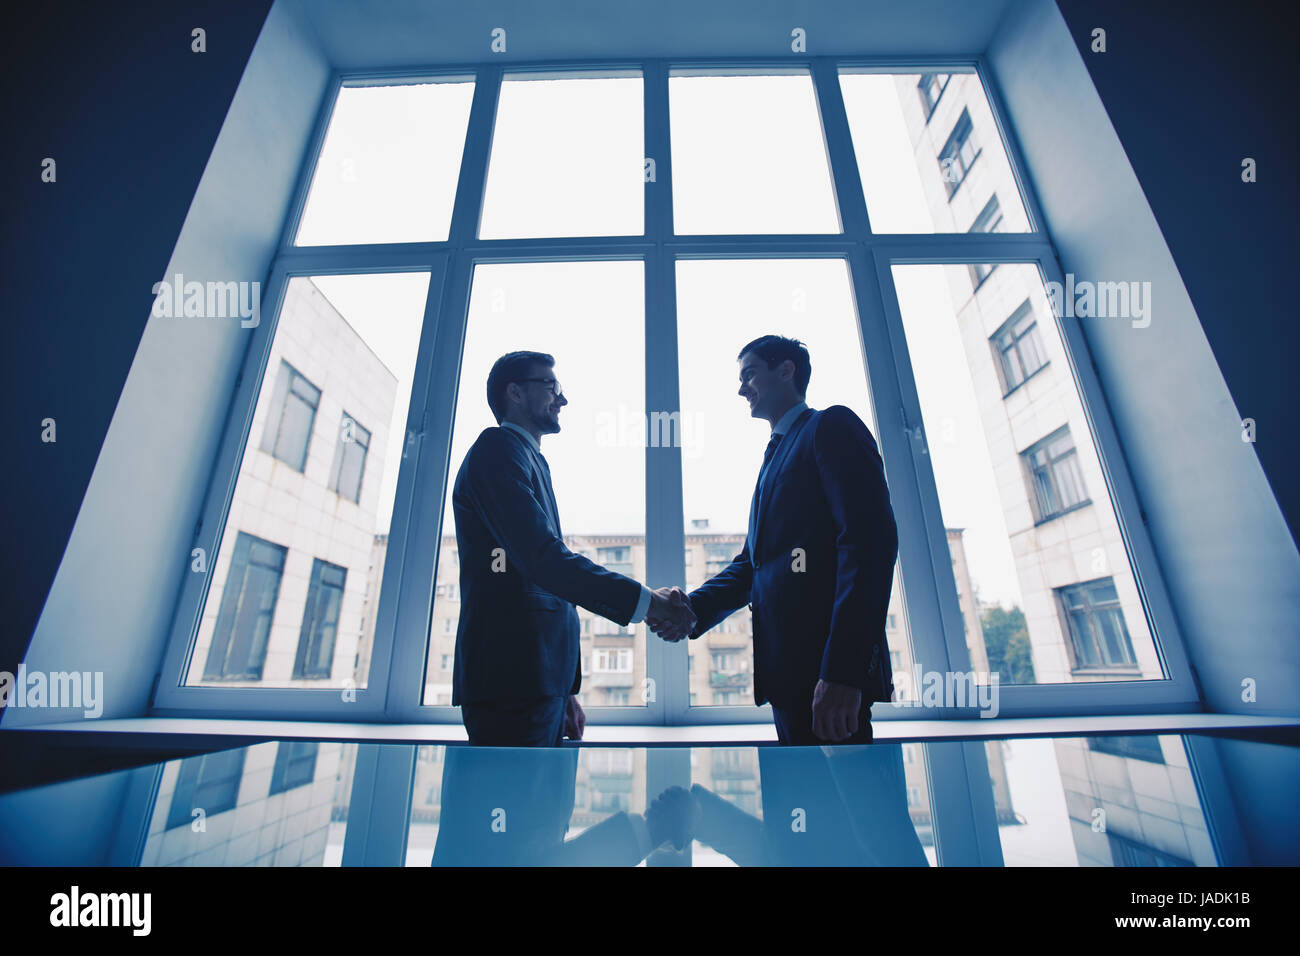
{"x":517,"y":667}
{"x":818,"y":560}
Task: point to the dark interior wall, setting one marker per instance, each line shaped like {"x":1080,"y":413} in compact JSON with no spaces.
{"x":115,"y":95}
{"x":1192,"y":88}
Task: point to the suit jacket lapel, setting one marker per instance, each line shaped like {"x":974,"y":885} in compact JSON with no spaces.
{"x":773,"y":470}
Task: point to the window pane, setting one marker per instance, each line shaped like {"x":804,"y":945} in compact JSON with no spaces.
{"x":388,"y":168}
{"x":1020,"y":548}
{"x":900,"y":151}
{"x":355,"y":338}
{"x":749,"y":156}
{"x":722,"y":305}
{"x":567,"y":159}
{"x":591,"y":317}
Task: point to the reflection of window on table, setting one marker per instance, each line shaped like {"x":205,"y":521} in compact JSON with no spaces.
{"x":209,"y":783}
{"x":1145,"y":747}
{"x":295,"y":764}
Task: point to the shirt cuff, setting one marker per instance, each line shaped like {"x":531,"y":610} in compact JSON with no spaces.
{"x":642,"y":606}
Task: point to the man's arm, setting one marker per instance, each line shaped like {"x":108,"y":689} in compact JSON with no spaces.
{"x":516,"y":521}
{"x":723,"y":593}
{"x":866,"y":543}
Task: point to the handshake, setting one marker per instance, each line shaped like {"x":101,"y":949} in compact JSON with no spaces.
{"x":670,"y":615}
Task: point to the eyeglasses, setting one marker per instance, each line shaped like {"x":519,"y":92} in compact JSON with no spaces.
{"x":553,"y":385}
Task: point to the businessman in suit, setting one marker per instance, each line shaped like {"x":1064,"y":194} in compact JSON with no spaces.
{"x":818,"y":560}
{"x":517,"y":667}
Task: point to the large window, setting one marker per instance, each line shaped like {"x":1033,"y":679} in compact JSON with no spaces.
{"x":641,"y":221}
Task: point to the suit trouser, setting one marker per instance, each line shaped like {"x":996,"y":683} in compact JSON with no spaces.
{"x":516,"y":722}
{"x":795,"y":726}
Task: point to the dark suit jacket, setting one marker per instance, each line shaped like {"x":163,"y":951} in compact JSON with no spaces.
{"x":825,"y":494}
{"x":518,"y":631}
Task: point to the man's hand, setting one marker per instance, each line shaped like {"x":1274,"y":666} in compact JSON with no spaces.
{"x":672,"y":817}
{"x":835,"y":710}
{"x":574,"y":719}
{"x":670,"y":615}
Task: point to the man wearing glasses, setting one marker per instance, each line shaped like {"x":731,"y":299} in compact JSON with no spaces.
{"x":517,"y":663}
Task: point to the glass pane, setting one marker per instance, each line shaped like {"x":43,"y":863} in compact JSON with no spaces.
{"x":1023,"y":546}
{"x":254,"y":806}
{"x":721,"y":306}
{"x":749,"y":156}
{"x":355,"y":338}
{"x":388,"y":168}
{"x":1098,"y":801}
{"x":590,"y":316}
{"x":910,"y":184}
{"x":567,"y":159}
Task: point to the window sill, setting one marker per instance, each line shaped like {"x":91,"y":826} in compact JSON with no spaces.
{"x":152,"y":732}
{"x":1061,"y":514}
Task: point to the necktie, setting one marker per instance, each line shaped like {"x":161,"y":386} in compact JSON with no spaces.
{"x":758,"y":489}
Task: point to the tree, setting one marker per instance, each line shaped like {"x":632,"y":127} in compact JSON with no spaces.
{"x":1006,"y":638}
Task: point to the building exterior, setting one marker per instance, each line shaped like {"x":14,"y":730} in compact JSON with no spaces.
{"x":289,"y":587}
{"x":1084,"y":615}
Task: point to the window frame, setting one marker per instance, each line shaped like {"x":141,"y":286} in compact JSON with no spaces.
{"x":395,"y":682}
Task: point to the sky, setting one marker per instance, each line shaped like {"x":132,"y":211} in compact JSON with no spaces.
{"x":568,"y":159}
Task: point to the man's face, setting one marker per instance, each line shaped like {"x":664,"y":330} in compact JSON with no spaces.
{"x":762,"y":387}
{"x":541,"y":405}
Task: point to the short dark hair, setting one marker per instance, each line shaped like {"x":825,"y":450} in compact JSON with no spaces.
{"x":775,"y":349}
{"x":511,"y":367}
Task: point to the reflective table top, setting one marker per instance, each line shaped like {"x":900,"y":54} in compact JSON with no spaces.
{"x":1142,"y":800}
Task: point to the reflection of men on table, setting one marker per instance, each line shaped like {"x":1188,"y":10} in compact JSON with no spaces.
{"x":507,"y":807}
{"x":831,"y":806}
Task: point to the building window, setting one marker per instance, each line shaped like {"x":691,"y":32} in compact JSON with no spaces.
{"x":718,"y":556}
{"x":1098,"y":633}
{"x":320,"y":620}
{"x":1054,"y":472}
{"x":247,"y":606}
{"x":295,"y":765}
{"x":349,"y":459}
{"x":209,"y":783}
{"x":446,"y":662}
{"x":289,"y":422}
{"x":989,"y":220}
{"x":958,"y":154}
{"x":613,"y":660}
{"x":617,"y":698}
{"x":616,"y":559}
{"x":1019,"y":348}
{"x":931,"y":87}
